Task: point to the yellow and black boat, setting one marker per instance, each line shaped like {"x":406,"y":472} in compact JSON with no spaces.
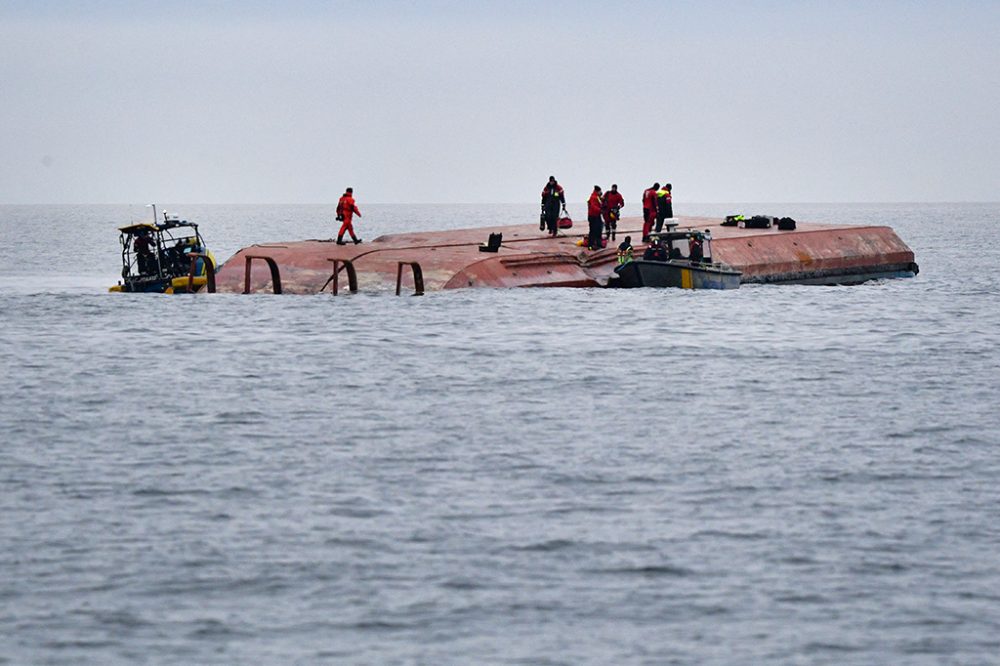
{"x":168,"y":257}
{"x":664,"y":264}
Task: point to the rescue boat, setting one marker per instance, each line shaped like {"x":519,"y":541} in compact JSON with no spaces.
{"x":165,"y":257}
{"x":696,"y":270}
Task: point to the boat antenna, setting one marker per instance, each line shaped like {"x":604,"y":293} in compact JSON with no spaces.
{"x":153,"y":206}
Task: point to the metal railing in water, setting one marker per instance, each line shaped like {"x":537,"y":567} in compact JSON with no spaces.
{"x":275,"y":273}
{"x":352,"y":276}
{"x":209,"y":272}
{"x":418,"y":277}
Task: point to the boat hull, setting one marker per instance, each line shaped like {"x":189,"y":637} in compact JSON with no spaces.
{"x":450,"y":259}
{"x":678,"y":274}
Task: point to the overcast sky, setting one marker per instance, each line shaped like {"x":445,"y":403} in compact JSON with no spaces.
{"x":260,"y":102}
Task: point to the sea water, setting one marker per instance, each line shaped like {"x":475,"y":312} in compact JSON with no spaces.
{"x":780,"y":474}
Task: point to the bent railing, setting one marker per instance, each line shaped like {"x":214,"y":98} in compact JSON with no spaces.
{"x":209,"y":272}
{"x":418,"y":277}
{"x":275,"y":274}
{"x":352,"y":275}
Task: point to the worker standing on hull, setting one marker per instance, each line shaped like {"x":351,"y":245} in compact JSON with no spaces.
{"x":612,"y":211}
{"x":648,"y":211}
{"x":664,"y":206}
{"x":594,"y":206}
{"x":346,"y":210}
{"x":553,"y":198}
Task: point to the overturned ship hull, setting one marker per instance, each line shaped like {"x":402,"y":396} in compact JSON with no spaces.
{"x":810,"y":254}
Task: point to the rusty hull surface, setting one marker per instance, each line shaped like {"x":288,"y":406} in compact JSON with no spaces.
{"x":529,"y":258}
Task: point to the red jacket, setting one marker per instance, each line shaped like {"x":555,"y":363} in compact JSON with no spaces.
{"x":594,"y":205}
{"x":613,"y":199}
{"x":649,"y":199}
{"x":346,"y":208}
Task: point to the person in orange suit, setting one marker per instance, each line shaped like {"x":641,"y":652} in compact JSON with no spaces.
{"x":648,"y":211}
{"x":594,"y":206}
{"x":346,"y":210}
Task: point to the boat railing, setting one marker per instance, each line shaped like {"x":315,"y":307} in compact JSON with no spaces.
{"x":209,"y":272}
{"x":418,"y":277}
{"x":275,"y":273}
{"x":352,"y":276}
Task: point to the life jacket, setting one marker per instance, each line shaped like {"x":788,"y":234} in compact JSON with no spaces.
{"x":613,"y":200}
{"x":695,"y":249}
{"x":553,"y":194}
{"x":655,"y":253}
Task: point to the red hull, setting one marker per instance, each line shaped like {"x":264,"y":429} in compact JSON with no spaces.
{"x":528,"y":258}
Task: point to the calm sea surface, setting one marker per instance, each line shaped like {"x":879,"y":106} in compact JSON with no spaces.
{"x":777,"y":474}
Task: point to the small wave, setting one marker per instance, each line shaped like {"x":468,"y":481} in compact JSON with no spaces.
{"x":547,"y":546}
{"x":215,"y":629}
{"x":883,"y":477}
{"x":353,"y":543}
{"x":801,"y":599}
{"x":818,"y":646}
{"x":461,"y":584}
{"x":879,"y":567}
{"x":79,"y":644}
{"x":643,"y":479}
{"x":168,"y":492}
{"x":724,"y":534}
{"x":118,"y":618}
{"x":347,"y":512}
{"x":653,"y":570}
{"x":798,"y":559}
{"x":592,"y":508}
{"x":379,"y":625}
{"x":251,"y":417}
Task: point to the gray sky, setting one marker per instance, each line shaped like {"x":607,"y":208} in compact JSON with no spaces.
{"x":456,"y":102}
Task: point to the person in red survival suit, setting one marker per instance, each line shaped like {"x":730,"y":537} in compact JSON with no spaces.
{"x":648,"y":211}
{"x":346,"y":210}
{"x":594,"y":206}
{"x":613,"y":204}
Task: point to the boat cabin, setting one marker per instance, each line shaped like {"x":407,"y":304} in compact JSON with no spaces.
{"x":688,"y":245}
